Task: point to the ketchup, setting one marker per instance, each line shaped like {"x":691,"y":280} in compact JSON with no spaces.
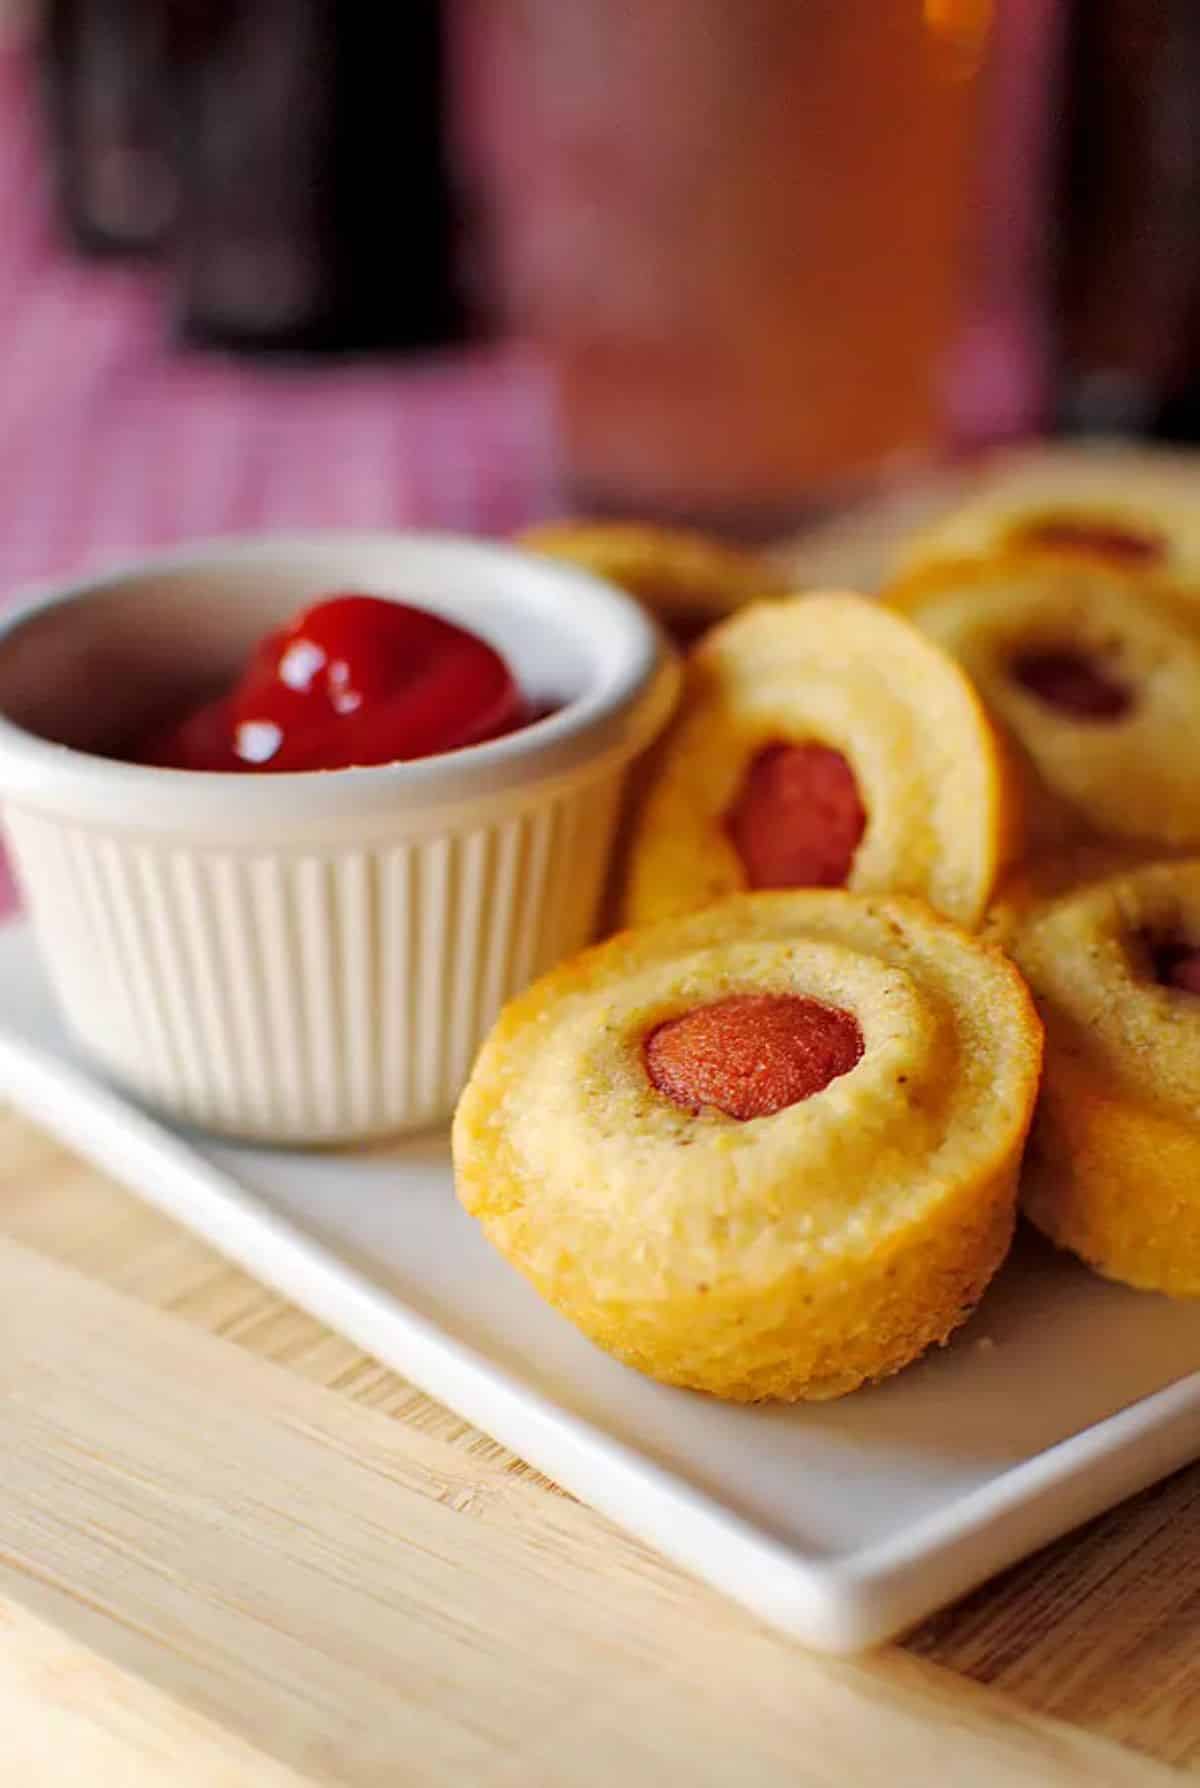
{"x":354,"y":680}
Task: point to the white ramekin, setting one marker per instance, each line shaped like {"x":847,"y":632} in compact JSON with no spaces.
{"x":311,"y":958}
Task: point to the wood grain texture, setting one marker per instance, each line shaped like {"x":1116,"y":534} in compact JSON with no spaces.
{"x":70,"y":1716}
{"x":272,"y":1567}
{"x":107,"y":1547}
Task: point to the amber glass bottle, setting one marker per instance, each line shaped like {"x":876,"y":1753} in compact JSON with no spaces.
{"x":736,"y":226}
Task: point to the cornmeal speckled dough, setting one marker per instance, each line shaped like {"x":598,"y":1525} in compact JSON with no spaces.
{"x":794,"y":1255}
{"x":1125,"y":773}
{"x":686,"y":579}
{"x":1134,"y":507}
{"x":1113,"y":1167}
{"x":941,"y":802}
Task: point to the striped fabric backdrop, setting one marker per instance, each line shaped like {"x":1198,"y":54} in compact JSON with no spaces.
{"x":111,"y":441}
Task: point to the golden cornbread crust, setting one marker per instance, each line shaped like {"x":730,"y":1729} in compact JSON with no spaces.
{"x":790,"y":1256}
{"x":940,"y":794}
{"x":1124,"y":778}
{"x":679,"y":575}
{"x":1152,"y":495}
{"x":1113,"y":1167}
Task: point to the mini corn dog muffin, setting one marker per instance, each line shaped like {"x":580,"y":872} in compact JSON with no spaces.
{"x":1113,"y":1168}
{"x":822,"y":742}
{"x":1093,"y":674}
{"x":769,"y":1150}
{"x":1137,"y":509}
{"x":687,"y":580}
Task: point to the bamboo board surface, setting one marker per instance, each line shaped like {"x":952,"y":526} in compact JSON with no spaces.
{"x":232,"y":1550}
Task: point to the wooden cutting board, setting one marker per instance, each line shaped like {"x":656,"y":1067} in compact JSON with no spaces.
{"x":235,"y":1551}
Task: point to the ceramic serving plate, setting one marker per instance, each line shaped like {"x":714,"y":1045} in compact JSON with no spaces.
{"x":840,"y":1523}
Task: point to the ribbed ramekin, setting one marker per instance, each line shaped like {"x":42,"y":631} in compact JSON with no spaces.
{"x":311,"y":958}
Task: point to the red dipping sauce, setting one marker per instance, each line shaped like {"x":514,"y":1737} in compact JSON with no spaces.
{"x":352,"y":681}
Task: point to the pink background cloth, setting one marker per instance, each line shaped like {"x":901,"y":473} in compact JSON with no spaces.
{"x":111,"y":441}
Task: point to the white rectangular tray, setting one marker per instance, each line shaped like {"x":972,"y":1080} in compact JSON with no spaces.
{"x":840,"y":1523}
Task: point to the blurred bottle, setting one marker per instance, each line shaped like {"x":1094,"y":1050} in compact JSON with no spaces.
{"x":1002,"y":382}
{"x":735,"y":226}
{"x":316,"y":211}
{"x":104,"y":65}
{"x":1129,"y":214}
{"x":292,"y":151}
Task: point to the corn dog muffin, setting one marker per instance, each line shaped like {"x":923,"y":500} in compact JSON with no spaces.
{"x":1113,"y":1169}
{"x":1135,"y":509}
{"x":822,"y":742}
{"x":687,"y":580}
{"x":768,"y":1150}
{"x":1093,"y":674}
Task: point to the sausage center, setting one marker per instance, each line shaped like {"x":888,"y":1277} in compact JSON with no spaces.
{"x":752,"y":1054}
